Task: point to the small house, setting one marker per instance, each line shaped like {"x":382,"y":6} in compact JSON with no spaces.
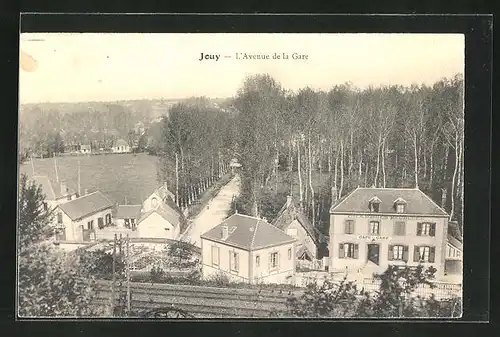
{"x":55,"y":194}
{"x":121,"y":146}
{"x":81,"y":218}
{"x":160,"y":221}
{"x":127,"y":216}
{"x":295,"y":223}
{"x":248,"y":249}
{"x":161,"y":194}
{"x":85,"y":148}
{"x":453,"y":262}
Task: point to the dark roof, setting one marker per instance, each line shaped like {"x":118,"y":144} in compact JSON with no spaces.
{"x":417,"y":202}
{"x":86,"y":205}
{"x":248,"y":233}
{"x":291,"y":211}
{"x":128,"y":211}
{"x":454,"y":242}
{"x":48,"y":189}
{"x":121,"y":142}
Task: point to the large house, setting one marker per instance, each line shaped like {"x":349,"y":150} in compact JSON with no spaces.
{"x":54,"y":195}
{"x":121,"y":146}
{"x":80,"y":219}
{"x":372,"y":228}
{"x":295,"y":223}
{"x":248,"y":249}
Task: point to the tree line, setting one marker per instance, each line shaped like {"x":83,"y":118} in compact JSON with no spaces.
{"x":387,"y":136}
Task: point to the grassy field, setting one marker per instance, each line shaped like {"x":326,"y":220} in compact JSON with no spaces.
{"x":118,"y":176}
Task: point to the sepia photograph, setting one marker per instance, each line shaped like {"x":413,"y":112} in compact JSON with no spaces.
{"x":231,"y":175}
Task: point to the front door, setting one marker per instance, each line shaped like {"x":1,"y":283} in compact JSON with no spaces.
{"x":373,"y":253}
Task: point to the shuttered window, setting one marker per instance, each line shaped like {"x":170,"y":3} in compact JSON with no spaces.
{"x":274,"y":260}
{"x":348,"y":251}
{"x":100,"y":223}
{"x":426,"y":229}
{"x":59,"y":218}
{"x":108,"y":219}
{"x":234,"y":261}
{"x":257,"y":261}
{"x":424,"y":254}
{"x":398,"y":253}
{"x":349,"y":227}
{"x":400,"y":228}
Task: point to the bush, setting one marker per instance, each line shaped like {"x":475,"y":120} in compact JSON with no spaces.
{"x":219,"y":279}
{"x":156,"y":275}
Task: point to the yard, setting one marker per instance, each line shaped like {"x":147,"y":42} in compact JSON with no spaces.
{"x":121,"y":177}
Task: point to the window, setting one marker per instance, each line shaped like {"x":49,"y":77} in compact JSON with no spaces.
{"x":273,"y":260}
{"x":234,"y":261}
{"x":289,"y":253}
{"x":90,"y":224}
{"x":426,"y":229}
{"x":154,"y":202}
{"x":398,"y":253}
{"x":374,"y":227}
{"x":257,"y":261}
{"x":215,"y":256}
{"x":374,"y":206}
{"x":348,"y":251}
{"x":100,"y":223}
{"x":399,"y":228}
{"x":349,"y":227}
{"x":458,"y":253}
{"x":400,"y":208}
{"x":127,"y":223}
{"x":59,"y":218}
{"x":69,"y":197}
{"x":108,"y":219}
{"x":424,"y":254}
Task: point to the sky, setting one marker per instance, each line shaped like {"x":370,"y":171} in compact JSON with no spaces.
{"x":107,"y":67}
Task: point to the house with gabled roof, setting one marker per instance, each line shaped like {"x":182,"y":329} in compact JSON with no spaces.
{"x":372,"y":228}
{"x":127,"y":216}
{"x":161,"y":220}
{"x":295,"y":223}
{"x":161,"y":194}
{"x":121,"y":146}
{"x":79,"y":220}
{"x":55,"y":194}
{"x":248,"y":249}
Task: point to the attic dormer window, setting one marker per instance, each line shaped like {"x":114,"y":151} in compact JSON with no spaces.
{"x":374,"y":204}
{"x":400,"y":205}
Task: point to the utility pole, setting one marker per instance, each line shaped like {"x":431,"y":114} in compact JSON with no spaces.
{"x":114,"y":278}
{"x":128,"y":275}
{"x":177,"y":180}
{"x":32,"y":165}
{"x":79,"y":192}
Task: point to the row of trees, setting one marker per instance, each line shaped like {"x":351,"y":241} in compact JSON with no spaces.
{"x":389,"y":136}
{"x":197,"y":142}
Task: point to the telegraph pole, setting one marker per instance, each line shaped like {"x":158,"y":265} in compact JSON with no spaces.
{"x":55,"y":166}
{"x":128,"y":275}
{"x":114,"y":278}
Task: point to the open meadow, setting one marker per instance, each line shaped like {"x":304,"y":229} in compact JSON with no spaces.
{"x":118,"y":176}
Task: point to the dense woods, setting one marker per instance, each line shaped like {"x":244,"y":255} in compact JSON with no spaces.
{"x":389,"y":136}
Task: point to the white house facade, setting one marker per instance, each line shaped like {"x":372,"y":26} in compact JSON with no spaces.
{"x":248,"y":249}
{"x":372,"y":228}
{"x":121,"y":146}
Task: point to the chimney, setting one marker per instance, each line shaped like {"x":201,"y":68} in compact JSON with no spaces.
{"x":225,"y":232}
{"x":443,"y":198}
{"x":64,"y":189}
{"x":288,"y":200}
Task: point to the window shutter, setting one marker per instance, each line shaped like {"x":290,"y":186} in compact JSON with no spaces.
{"x":352,"y":227}
{"x":346,"y":227}
{"x":270,"y":262}
{"x":356,"y":251}
{"x":416,"y":257}
{"x":391,"y":253}
{"x":432,"y":254}
{"x":236,"y":262}
{"x":419,"y":229}
{"x":432,"y":230}
{"x":341,"y":251}
{"x":405,"y":253}
{"x":230,"y":262}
